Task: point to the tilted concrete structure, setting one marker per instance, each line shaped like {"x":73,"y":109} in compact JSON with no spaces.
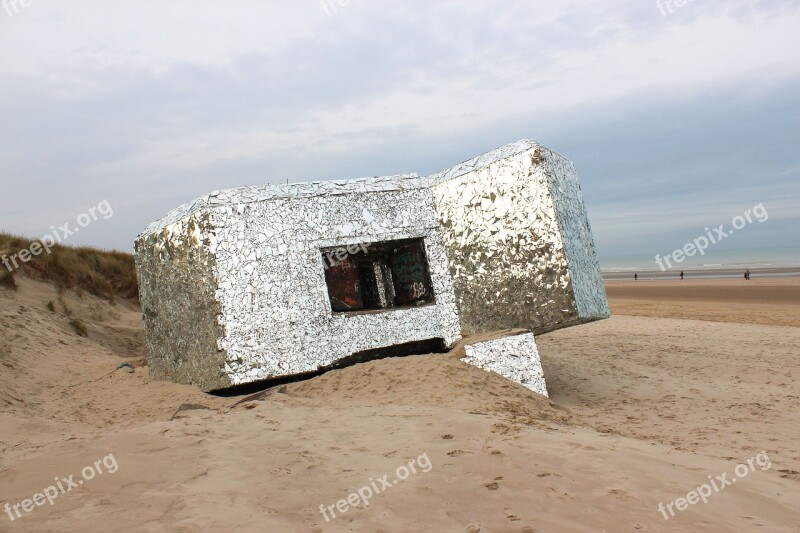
{"x":518,"y":238}
{"x":514,"y":357}
{"x":254,"y":283}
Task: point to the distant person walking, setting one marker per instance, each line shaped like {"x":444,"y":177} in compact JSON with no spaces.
{"x":747,"y":274}
{"x":681,"y":274}
{"x":635,"y":277}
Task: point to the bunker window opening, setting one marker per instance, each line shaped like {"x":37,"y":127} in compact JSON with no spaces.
{"x":377,"y":276}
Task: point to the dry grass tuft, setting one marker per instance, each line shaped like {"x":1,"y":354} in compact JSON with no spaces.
{"x":7,"y":280}
{"x":79,"y":327}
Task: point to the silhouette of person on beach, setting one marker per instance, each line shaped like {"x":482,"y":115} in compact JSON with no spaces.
{"x":681,"y":274}
{"x":635,"y":277}
{"x":747,"y":274}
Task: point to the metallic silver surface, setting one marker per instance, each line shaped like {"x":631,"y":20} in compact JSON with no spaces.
{"x":260,"y":248}
{"x":233,"y":286}
{"x":514,"y":357}
{"x":518,"y":240}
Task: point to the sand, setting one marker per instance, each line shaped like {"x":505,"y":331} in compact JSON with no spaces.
{"x":644,"y":408}
{"x":768,"y":301}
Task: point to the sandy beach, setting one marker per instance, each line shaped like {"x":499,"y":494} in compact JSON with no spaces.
{"x":767,"y":301}
{"x":684,"y":383}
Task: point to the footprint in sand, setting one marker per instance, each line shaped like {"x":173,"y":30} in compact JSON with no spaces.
{"x":619,"y":493}
{"x":494,"y":485}
{"x":456,"y":453}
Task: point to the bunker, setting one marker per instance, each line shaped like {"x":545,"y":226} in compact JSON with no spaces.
{"x":248,"y":284}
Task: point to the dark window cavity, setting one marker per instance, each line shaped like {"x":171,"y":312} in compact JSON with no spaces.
{"x":376,"y":276}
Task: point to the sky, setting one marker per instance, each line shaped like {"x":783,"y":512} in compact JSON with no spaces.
{"x":677,"y":118}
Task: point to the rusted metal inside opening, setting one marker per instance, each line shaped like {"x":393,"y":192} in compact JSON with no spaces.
{"x":383,"y":275}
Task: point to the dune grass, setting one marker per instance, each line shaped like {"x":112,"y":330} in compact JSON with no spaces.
{"x":7,"y":280}
{"x":79,"y":327}
{"x":107,"y":274}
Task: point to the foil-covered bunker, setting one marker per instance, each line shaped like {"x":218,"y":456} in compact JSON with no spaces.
{"x":254,"y":283}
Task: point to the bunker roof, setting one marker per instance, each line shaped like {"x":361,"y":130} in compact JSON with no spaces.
{"x":260,"y":193}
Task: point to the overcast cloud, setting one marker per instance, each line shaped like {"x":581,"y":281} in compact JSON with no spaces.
{"x":675,"y":122}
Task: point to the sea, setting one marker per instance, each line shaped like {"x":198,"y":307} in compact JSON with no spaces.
{"x":762,"y":262}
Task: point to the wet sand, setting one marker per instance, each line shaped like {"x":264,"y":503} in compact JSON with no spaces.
{"x":768,"y":301}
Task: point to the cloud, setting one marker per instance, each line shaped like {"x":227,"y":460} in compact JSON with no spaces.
{"x":151,"y":104}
